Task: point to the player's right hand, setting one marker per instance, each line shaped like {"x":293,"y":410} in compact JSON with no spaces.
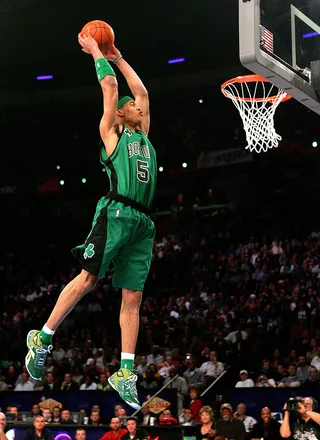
{"x":88,"y":44}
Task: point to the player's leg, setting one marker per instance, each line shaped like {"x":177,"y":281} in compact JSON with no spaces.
{"x":95,"y":256}
{"x":40,"y":342}
{"x":129,"y":323}
{"x":131,"y":266}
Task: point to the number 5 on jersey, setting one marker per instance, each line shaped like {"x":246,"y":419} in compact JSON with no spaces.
{"x":142,"y":171}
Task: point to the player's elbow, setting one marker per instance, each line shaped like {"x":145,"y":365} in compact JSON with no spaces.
{"x":109,"y":82}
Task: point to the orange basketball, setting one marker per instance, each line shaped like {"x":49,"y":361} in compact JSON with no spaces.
{"x":101,"y":32}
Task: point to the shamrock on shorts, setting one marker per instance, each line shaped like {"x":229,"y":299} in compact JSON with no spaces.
{"x":89,"y":252}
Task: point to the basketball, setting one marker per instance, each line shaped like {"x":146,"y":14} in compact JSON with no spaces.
{"x":102,"y":32}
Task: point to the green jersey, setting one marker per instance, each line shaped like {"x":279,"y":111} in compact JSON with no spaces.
{"x":132,"y":167}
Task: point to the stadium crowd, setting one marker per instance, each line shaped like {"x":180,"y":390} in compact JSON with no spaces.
{"x":250,"y":307}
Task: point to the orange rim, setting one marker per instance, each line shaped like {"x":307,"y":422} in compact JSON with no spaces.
{"x":248,"y":79}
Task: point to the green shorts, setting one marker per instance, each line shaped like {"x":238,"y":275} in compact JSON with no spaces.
{"x":120,"y":235}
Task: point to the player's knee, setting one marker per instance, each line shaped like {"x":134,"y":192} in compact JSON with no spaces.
{"x":131,"y":298}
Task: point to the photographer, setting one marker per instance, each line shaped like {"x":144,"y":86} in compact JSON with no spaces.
{"x":300,"y":419}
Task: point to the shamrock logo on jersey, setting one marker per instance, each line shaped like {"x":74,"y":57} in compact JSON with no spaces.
{"x":89,"y":252}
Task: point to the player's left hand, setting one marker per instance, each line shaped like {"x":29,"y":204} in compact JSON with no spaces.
{"x":87,"y":43}
{"x":113,"y":54}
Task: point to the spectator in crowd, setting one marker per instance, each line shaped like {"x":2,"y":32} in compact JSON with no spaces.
{"x":3,"y":385}
{"x":195,"y":404}
{"x":166,"y":418}
{"x":88,"y":384}
{"x":81,"y":434}
{"x":313,"y":351}
{"x":25,"y":384}
{"x":266,"y":428}
{"x":292,"y":380}
{"x":228,"y":426}
{"x":305,"y":425}
{"x":316,"y":359}
{"x":264,"y":381}
{"x":116,"y":409}
{"x":313,"y":381}
{"x":116,"y":432}
{"x":35,"y":410}
{"x":14,"y":410}
{"x":78,"y":375}
{"x":212,"y":368}
{"x":185,"y":418}
{"x":47,"y":415}
{"x":142,"y":367}
{"x":180,"y":384}
{"x":150,"y":381}
{"x":56,"y":415}
{"x":280,"y":374}
{"x":122,"y":415}
{"x":146,"y":416}
{"x":104,"y":384}
{"x":95,"y":418}
{"x":69,"y":385}
{"x":244,"y":382}
{"x":165,"y":367}
{"x":192,"y":375}
{"x":11,"y":377}
{"x":155,"y":357}
{"x":206,"y":429}
{"x":241,"y":414}
{"x":58,"y":354}
{"x":66,"y":417}
{"x":303,"y":370}
{"x":5,"y":434}
{"x":49,"y":383}
{"x":133,"y":432}
{"x":38,"y":431}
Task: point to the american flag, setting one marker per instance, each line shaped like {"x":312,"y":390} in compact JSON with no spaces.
{"x":266,"y":39}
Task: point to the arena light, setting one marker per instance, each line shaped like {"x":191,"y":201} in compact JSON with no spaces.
{"x":58,"y":167}
{"x":84,"y":180}
{"x":61,"y":182}
{"x":184,"y":165}
{"x":160,"y":169}
{"x":200,"y":101}
{"x":176,"y":60}
{"x":44,"y":77}
{"x":103,"y":170}
{"x":310,"y":34}
{"x":315,"y":144}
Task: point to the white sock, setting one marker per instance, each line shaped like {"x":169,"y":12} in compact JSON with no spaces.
{"x":46,"y":330}
{"x":128,"y":356}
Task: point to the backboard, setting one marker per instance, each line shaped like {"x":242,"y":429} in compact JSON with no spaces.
{"x":278,"y":40}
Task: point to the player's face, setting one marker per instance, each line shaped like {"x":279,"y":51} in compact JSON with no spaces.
{"x":132,"y":114}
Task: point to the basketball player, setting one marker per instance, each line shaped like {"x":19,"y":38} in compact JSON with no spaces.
{"x":122,"y":232}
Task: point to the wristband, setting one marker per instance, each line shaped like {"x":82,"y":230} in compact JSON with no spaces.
{"x":103,"y":69}
{"x":117,"y":59}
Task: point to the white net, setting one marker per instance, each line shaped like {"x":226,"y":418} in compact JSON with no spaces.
{"x":257,"y":113}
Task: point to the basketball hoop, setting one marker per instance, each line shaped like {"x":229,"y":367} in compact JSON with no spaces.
{"x":256,"y":101}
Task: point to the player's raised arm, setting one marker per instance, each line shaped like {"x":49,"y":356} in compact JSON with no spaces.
{"x":135,"y":84}
{"x":109,"y":85}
